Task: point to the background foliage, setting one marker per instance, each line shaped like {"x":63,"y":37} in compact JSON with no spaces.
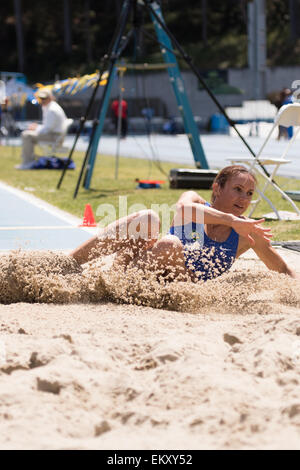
{"x":63,"y":38}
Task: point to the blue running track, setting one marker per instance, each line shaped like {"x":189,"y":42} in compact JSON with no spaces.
{"x":30,"y":224}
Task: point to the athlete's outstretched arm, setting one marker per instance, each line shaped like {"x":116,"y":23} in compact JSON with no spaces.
{"x":189,"y":197}
{"x":271,"y":258}
{"x":201,"y":214}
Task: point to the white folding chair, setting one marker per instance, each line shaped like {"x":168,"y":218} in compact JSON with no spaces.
{"x":51,"y":148}
{"x":288,"y":115}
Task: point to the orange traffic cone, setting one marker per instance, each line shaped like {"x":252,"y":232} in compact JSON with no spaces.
{"x":88,"y":217}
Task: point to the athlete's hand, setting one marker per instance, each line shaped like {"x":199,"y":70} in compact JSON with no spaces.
{"x":246,"y":227}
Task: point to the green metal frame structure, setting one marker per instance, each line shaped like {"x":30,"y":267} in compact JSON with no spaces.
{"x":177,"y":83}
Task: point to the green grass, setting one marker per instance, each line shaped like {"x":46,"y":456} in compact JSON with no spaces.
{"x":105,"y":189}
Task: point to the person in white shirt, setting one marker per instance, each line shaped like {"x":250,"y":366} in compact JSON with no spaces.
{"x":51,"y":128}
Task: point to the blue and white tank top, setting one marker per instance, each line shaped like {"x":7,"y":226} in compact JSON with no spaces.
{"x":207,"y":258}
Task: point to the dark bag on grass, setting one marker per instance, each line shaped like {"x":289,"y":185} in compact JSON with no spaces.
{"x":52,"y":163}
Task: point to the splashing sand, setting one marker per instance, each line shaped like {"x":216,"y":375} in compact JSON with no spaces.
{"x":57,"y":278}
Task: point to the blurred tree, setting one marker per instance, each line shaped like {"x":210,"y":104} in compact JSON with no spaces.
{"x":68,"y":37}
{"x":294,"y":19}
{"x":67,"y":28}
{"x":118,"y":6}
{"x":87,"y":15}
{"x":204,"y":22}
{"x":19,"y":34}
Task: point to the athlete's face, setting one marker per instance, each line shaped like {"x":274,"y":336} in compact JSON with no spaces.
{"x":236,"y":194}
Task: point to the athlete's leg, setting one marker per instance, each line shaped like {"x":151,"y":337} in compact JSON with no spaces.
{"x":164,"y":257}
{"x":133,"y":233}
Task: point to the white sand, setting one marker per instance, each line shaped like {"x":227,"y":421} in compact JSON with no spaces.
{"x":108,"y":376}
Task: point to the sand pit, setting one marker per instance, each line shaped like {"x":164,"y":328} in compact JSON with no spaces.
{"x":93,"y":360}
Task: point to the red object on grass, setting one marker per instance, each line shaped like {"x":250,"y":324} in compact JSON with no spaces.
{"x":151,"y":181}
{"x":88,"y":217}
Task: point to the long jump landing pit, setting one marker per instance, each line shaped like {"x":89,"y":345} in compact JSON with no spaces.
{"x":96,"y":359}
